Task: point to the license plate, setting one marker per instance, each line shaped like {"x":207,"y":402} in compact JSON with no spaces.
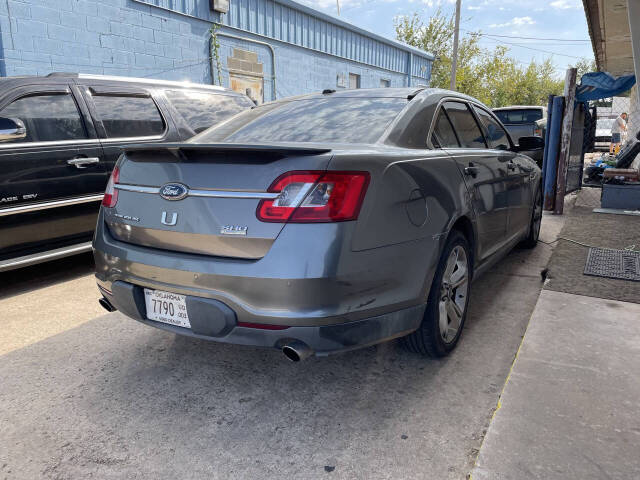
{"x":167,"y":307}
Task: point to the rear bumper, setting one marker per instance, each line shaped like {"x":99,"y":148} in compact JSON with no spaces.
{"x":213,"y":320}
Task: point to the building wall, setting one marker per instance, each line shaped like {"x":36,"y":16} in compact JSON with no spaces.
{"x":134,"y":38}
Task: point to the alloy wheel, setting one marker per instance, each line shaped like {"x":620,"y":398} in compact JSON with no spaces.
{"x":537,"y":216}
{"x":453,"y":294}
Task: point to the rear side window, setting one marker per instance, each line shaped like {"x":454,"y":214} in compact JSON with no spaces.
{"x":519,"y":116}
{"x":203,"y":110}
{"x":47,"y":118}
{"x":493,"y":131}
{"x":129,"y":116}
{"x":465,"y":125}
{"x":443,"y":135}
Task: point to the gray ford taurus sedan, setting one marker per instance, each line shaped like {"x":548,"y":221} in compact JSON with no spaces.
{"x":318,"y":224}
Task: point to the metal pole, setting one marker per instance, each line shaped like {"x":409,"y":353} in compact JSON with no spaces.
{"x":565,"y":142}
{"x":338,"y":4}
{"x":456,"y":34}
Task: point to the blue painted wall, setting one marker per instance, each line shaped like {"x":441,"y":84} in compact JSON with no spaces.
{"x":169,"y":39}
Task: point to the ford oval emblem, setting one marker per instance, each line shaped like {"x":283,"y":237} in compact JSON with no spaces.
{"x":174,"y":191}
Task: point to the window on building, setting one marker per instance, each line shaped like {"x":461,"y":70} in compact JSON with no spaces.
{"x":384,"y":83}
{"x":465,"y":125}
{"x":443,"y":135}
{"x":203,"y":110}
{"x":325,"y":120}
{"x":354,"y":81}
{"x":493,"y":131}
{"x":129,"y":116}
{"x":47,"y":117}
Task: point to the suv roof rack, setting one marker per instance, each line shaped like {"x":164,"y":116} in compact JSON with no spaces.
{"x":137,"y":80}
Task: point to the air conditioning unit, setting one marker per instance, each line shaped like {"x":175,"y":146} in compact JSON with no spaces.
{"x":221,"y":6}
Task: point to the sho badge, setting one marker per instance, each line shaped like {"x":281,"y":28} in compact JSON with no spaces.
{"x":169,"y":221}
{"x":233,"y":230}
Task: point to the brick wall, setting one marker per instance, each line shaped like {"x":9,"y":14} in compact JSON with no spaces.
{"x":124,"y":37}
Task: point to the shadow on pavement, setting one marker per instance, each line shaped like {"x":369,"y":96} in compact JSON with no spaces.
{"x":46,"y":274}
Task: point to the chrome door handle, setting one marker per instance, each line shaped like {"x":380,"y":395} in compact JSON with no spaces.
{"x":82,"y":162}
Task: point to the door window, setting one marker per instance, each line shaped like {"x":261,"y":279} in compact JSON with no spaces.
{"x":494,"y":133}
{"x":47,"y":117}
{"x":443,"y":135}
{"x":129,"y":116}
{"x":203,"y":110}
{"x":465,"y":125}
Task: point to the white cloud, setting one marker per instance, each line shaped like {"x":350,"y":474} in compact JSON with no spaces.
{"x":566,"y":4}
{"x":471,"y":7}
{"x":515,"y":21}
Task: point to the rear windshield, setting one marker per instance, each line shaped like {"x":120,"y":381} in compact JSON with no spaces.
{"x":326,"y":120}
{"x":519,"y":116}
{"x":202,"y":110}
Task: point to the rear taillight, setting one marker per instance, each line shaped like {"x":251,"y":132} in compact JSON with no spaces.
{"x":111,"y":193}
{"x":312,"y":197}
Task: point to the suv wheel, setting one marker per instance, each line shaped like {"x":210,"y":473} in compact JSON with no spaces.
{"x":446,"y":310}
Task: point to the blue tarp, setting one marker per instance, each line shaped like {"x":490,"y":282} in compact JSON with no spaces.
{"x":595,"y":86}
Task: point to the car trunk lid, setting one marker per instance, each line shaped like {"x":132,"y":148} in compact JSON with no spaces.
{"x":202,"y":199}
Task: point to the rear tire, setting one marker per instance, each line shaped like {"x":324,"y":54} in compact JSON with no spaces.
{"x":446,"y":310}
{"x":536,"y":220}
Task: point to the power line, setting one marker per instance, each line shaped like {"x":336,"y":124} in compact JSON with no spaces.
{"x":530,"y":38}
{"x":487,"y":37}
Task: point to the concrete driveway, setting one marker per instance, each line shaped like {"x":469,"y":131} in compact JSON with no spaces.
{"x":106,"y":397}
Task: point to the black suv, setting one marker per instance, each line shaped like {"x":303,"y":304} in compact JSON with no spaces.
{"x":60,"y":137}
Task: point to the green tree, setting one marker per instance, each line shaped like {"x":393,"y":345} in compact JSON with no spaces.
{"x":492,"y":76}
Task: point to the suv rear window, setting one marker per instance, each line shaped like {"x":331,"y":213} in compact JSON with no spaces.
{"x":202,"y":110}
{"x":519,"y":116}
{"x":126,"y":116}
{"x":325,"y":120}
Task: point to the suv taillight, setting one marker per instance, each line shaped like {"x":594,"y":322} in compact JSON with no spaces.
{"x":111,"y":193}
{"x":315,"y":197}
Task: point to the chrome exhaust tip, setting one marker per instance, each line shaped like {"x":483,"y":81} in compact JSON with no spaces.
{"x":297,"y":351}
{"x":107,"y":305}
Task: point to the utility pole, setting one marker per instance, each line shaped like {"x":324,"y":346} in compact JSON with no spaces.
{"x":338,"y":4}
{"x":456,"y":34}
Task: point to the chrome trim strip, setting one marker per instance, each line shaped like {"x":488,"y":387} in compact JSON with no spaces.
{"x":203,"y":193}
{"x":228,"y":194}
{"x":137,"y":188}
{"x":35,"y":258}
{"x":80,"y":143}
{"x":47,"y":205}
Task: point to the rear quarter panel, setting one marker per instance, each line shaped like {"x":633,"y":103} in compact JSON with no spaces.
{"x":410,"y":197}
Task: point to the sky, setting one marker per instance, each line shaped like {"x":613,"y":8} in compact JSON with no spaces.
{"x":557,"y":20}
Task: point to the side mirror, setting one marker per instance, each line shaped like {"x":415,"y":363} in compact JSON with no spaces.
{"x":530,"y":143}
{"x":12,"y":129}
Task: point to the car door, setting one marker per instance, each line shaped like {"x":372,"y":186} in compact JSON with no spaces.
{"x":485,"y":174}
{"x":127,"y":114}
{"x":51,"y":180}
{"x":519,"y":172}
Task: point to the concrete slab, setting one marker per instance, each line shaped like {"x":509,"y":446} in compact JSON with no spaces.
{"x":114,"y":399}
{"x":571,"y":406}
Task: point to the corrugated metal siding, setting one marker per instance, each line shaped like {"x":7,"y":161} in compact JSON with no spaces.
{"x":271,"y":19}
{"x":284,"y":23}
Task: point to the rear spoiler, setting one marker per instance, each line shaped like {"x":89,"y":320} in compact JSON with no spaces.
{"x":177,"y":148}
